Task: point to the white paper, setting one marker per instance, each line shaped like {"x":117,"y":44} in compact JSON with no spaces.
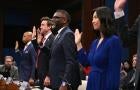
{"x":45,"y":88}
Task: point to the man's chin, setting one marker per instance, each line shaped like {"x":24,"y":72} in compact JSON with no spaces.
{"x":8,"y":66}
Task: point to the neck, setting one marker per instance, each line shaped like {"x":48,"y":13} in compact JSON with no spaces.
{"x":27,"y":42}
{"x":46,"y":33}
{"x":101,"y":35}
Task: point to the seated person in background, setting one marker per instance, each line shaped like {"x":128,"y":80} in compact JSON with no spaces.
{"x":8,"y":69}
{"x":128,"y":81}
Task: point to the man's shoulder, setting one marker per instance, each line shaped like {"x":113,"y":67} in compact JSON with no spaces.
{"x":15,"y":67}
{"x":31,"y":46}
{"x":1,"y":66}
{"x":68,"y":31}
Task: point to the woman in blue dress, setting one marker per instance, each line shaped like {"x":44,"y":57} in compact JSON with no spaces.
{"x":104,"y":55}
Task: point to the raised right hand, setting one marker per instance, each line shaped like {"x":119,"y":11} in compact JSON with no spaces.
{"x":77,"y":36}
{"x":16,"y":45}
{"x":34,"y":32}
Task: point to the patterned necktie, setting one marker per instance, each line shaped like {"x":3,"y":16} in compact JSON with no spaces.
{"x":43,"y":41}
{"x":39,"y":50}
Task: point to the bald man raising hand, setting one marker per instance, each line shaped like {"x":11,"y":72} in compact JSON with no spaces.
{"x":28,"y":57}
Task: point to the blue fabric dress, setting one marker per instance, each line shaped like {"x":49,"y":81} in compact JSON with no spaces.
{"x":105,"y":64}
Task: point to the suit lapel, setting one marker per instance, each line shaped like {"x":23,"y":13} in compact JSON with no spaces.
{"x":59,"y":37}
{"x":56,"y":39}
{"x":27,"y":49}
{"x":47,"y":42}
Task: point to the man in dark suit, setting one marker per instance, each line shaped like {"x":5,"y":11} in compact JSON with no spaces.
{"x":45,"y":39}
{"x":28,"y":57}
{"x":64,"y":68}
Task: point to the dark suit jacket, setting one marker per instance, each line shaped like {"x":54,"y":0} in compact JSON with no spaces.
{"x":132,"y":37}
{"x":44,"y":57}
{"x":35,"y":44}
{"x":27,"y":63}
{"x":63,"y":63}
{"x":136,"y":33}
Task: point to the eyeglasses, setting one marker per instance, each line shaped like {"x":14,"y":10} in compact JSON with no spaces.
{"x":56,"y":17}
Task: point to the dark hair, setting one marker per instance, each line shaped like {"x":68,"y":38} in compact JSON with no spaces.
{"x":106,"y":18}
{"x":67,"y":15}
{"x":50,"y":22}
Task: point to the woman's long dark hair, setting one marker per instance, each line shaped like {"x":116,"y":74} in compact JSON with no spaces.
{"x":106,"y":18}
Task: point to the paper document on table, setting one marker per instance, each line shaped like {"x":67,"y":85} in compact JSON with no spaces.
{"x":45,"y":88}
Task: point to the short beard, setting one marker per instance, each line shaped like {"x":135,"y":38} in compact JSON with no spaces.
{"x":55,"y":29}
{"x":8,"y":67}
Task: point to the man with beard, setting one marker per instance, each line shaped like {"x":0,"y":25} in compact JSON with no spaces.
{"x":8,"y":69}
{"x":64,"y":68}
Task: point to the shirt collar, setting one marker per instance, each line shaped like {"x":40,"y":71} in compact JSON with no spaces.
{"x":60,"y":29}
{"x":46,"y":36}
{"x":28,"y":43}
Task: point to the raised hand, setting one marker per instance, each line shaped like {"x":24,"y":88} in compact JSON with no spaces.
{"x":119,"y":5}
{"x":77,"y":36}
{"x":78,"y":39}
{"x":39,"y":37}
{"x":34,"y":32}
{"x":16,"y":45}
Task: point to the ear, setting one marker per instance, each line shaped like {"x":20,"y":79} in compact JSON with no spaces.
{"x":50,"y":27}
{"x":65,"y":20}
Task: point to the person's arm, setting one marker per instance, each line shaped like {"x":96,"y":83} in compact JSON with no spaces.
{"x":33,"y":56}
{"x":18,"y":53}
{"x":69,"y":48}
{"x":81,"y":55}
{"x":133,"y":32}
{"x":17,"y":47}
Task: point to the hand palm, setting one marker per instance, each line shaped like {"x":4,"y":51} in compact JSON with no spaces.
{"x":77,"y":36}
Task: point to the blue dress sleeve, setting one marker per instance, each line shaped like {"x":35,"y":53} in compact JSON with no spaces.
{"x":114,"y":62}
{"x":82,"y":55}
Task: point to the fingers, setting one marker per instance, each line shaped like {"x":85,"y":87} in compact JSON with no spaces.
{"x":31,"y":81}
{"x":119,"y":5}
{"x":47,"y":81}
{"x":16,"y":45}
{"x":16,"y":42}
{"x":34,"y":32}
{"x":76,"y":31}
{"x":38,"y":32}
{"x":34,"y":29}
